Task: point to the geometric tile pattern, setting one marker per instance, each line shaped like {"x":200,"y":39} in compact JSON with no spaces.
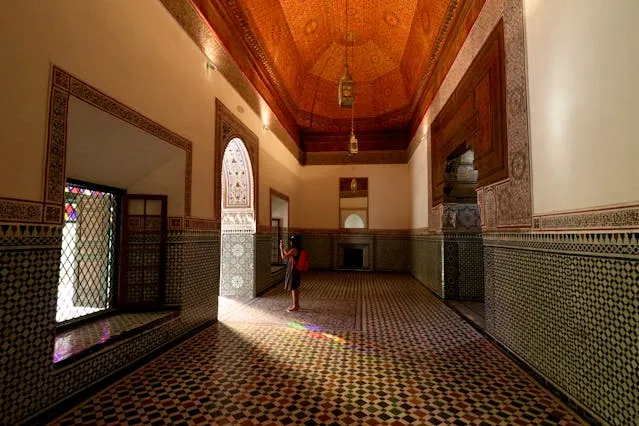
{"x":237,"y":277}
{"x":426,"y":261}
{"x":416,"y":363}
{"x":470,"y":265}
{"x":459,"y":254}
{"x":29,"y":274}
{"x":344,"y":313}
{"x":568,"y":305}
{"x":72,"y":342}
{"x":391,"y":253}
{"x":174,"y":268}
{"x":28,"y":288}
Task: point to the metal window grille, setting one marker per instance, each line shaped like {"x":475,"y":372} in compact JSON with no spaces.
{"x":89,"y":251}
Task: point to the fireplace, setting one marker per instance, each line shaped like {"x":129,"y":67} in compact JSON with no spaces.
{"x":354,"y":256}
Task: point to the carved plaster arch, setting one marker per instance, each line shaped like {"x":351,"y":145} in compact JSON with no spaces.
{"x":227,"y":128}
{"x":238,"y":203}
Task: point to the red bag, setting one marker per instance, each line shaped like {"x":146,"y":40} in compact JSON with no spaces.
{"x":304,"y":262}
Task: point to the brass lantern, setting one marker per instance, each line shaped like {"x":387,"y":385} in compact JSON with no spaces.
{"x":352,"y":144}
{"x":346,"y":95}
{"x":346,"y":90}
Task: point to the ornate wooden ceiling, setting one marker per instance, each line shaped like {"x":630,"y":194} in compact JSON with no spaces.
{"x":293,"y":52}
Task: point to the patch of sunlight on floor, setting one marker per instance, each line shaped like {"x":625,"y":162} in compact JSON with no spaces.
{"x":239,"y":308}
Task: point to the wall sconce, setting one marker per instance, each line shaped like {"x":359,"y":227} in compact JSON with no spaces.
{"x":265,"y":128}
{"x":210,"y":66}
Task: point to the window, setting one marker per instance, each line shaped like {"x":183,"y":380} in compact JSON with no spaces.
{"x":353,"y":203}
{"x":90,"y":241}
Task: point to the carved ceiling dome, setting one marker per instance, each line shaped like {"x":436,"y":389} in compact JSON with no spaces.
{"x":298,"y":47}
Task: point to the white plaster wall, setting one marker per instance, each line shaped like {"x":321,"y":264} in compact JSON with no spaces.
{"x":419,"y":171}
{"x":279,"y":210}
{"x":135,"y":52}
{"x":317,"y":202}
{"x":583,"y":99}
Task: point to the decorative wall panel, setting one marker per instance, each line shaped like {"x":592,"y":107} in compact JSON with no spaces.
{"x":237,"y":276}
{"x":228,"y":128}
{"x":609,"y":217}
{"x":567,"y":305}
{"x":474,"y":116}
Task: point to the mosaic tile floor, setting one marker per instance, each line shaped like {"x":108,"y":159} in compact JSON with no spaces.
{"x":416,"y":362}
{"x":344,"y":313}
{"x":100,"y":332}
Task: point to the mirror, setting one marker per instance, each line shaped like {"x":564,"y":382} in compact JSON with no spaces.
{"x":353,"y":203}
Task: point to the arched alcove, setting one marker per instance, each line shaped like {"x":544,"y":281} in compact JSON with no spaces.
{"x":238,"y":201}
{"x":236,"y":197}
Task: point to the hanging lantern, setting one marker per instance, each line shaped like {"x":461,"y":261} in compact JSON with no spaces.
{"x":346,"y":95}
{"x":352,"y":144}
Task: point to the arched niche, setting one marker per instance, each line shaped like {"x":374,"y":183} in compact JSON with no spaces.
{"x":238,"y":200}
{"x":228,"y":127}
{"x":236,"y":203}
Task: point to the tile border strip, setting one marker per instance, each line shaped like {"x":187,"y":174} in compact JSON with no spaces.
{"x":602,"y":218}
{"x":62,"y":86}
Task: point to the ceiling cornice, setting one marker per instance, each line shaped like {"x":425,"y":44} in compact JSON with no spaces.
{"x":448,"y":45}
{"x":243,"y":48}
{"x":240,"y":58}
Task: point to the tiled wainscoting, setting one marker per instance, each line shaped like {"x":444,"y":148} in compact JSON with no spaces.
{"x":237,"y":278}
{"x":264,"y":278}
{"x":29,"y":267}
{"x":462,"y":277}
{"x":389,"y":251}
{"x":426,"y":261}
{"x":568,"y":305}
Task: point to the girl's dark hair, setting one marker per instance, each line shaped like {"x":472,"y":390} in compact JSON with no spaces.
{"x":296,"y":242}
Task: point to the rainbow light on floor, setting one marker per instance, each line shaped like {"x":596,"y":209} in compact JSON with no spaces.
{"x":315,"y":331}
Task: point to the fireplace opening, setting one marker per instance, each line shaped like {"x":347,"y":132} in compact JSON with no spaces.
{"x":353,"y":258}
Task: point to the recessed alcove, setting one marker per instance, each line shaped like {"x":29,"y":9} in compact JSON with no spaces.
{"x":353,"y":257}
{"x":354,"y":254}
